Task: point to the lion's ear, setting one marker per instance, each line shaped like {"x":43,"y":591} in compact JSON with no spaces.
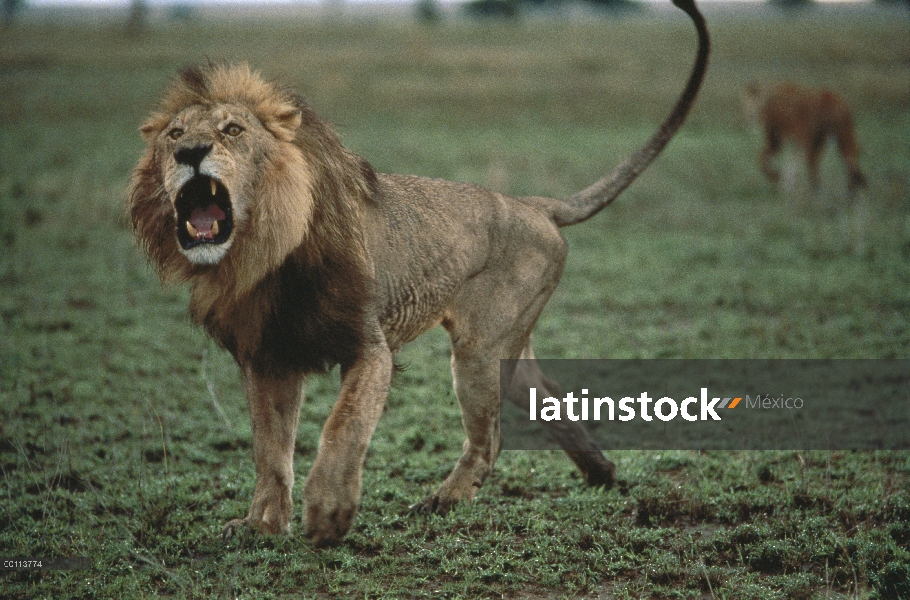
{"x":148,"y":132}
{"x":153,"y":126}
{"x":284,"y":124}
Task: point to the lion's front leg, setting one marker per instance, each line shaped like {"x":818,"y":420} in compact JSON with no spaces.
{"x":274,"y":404}
{"x":332,"y":491}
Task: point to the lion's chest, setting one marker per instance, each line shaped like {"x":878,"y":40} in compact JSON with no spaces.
{"x":302,"y":318}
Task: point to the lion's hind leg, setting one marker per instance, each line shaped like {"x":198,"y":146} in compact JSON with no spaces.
{"x":477,"y":389}
{"x":572,"y":437}
{"x":492,"y":319}
{"x":849,"y":151}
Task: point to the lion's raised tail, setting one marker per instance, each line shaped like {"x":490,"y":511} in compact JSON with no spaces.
{"x":588,"y":202}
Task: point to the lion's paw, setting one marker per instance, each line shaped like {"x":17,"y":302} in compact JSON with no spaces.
{"x":234,"y":526}
{"x":597,"y":470}
{"x":231,"y":527}
{"x":432,"y":505}
{"x":327,"y":525}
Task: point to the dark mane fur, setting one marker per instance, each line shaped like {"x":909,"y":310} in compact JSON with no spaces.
{"x":305,"y":317}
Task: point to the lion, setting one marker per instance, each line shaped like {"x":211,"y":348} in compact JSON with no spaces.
{"x":808,"y":118}
{"x":301,"y":257}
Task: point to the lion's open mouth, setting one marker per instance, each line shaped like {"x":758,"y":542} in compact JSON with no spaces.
{"x":203,"y":213}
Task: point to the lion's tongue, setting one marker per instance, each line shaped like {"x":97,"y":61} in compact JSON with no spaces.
{"x":202,"y":219}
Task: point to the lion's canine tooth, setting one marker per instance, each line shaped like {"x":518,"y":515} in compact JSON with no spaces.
{"x":214,"y":186}
{"x":214,"y":228}
{"x":192,"y":230}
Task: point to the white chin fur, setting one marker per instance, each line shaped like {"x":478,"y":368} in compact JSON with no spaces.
{"x":207,"y":254}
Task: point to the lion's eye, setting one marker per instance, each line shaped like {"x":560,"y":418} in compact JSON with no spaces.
{"x":233,"y":129}
{"x":175,"y":133}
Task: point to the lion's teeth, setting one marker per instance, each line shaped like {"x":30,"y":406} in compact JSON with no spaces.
{"x":192,"y":230}
{"x":214,"y":228}
{"x":214,"y":186}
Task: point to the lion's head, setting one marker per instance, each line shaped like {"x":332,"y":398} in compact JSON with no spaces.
{"x":232,"y":174}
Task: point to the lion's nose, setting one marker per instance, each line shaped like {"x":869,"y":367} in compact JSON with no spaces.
{"x":192,"y":155}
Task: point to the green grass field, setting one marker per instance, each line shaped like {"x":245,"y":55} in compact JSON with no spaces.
{"x":123,"y":430}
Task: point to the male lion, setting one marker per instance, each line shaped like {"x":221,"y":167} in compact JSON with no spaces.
{"x":301,"y":257}
{"x":807,"y":118}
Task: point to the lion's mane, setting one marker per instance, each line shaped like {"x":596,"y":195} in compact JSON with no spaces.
{"x":291,"y":292}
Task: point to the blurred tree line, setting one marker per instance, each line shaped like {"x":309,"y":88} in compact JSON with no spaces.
{"x":425,"y":10}
{"x":511,"y":8}
{"x":10,"y":10}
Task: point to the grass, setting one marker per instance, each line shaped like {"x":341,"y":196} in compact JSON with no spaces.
{"x":124,"y":434}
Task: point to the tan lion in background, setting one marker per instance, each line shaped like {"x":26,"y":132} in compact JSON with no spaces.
{"x":301,"y":257}
{"x":807,"y":118}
